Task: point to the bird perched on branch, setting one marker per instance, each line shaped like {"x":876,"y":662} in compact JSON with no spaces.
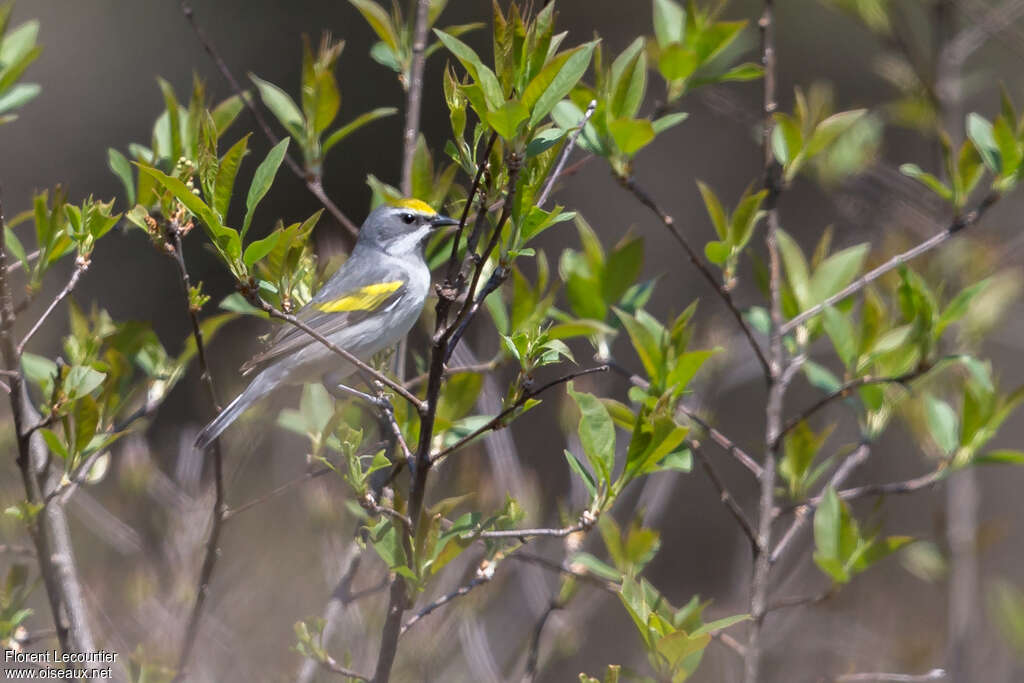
{"x":369,"y":304}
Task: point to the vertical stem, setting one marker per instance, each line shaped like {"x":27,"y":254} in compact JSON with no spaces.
{"x":219,"y":508}
{"x":49,"y":528}
{"x":414,"y":101}
{"x":776,"y":385}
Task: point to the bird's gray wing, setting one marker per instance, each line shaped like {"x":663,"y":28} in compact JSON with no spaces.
{"x":350,"y":296}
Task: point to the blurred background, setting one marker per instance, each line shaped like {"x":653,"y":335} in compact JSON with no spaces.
{"x":144,"y":523}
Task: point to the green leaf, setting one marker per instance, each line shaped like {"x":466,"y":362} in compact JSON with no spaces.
{"x":481,"y":73}
{"x":631,"y":135}
{"x":829,"y":521}
{"x":959,"y":306}
{"x":544,"y":140}
{"x":260,"y":248}
{"x":281,"y":105}
{"x":837,"y":271}
{"x":668,"y":121}
{"x":588,"y":479}
{"x":225,"y":113}
{"x":839,"y":328}
{"x":1001,"y":457}
{"x":669,"y":22}
{"x":123,"y":170}
{"x":555,"y":81}
{"x":628,"y":81}
{"x":943,"y":424}
{"x":355,"y":124}
{"x":928,"y":180}
{"x":174,"y":123}
{"x":82,"y":380}
{"x":18,"y":95}
{"x":597,"y":433}
{"x":227,"y":171}
{"x":715,"y":212}
{"x":379,"y":20}
{"x":796,"y":268}
{"x":262,"y":180}
{"x":677,"y":63}
{"x":979,"y":131}
{"x":506,"y":119}
{"x":204,"y":213}
{"x":787,"y":139}
{"x":826,"y":132}
{"x":717,"y":252}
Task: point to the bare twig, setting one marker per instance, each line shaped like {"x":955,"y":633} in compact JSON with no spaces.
{"x":802,"y":600}
{"x":414,"y":101}
{"x":933,"y":675}
{"x":759,"y":584}
{"x":567,"y":570}
{"x":727,"y":498}
{"x":81,"y":265}
{"x":718,"y":437}
{"x":219,"y":512}
{"x":534,"y":653}
{"x":630,"y":184}
{"x":803,"y":513}
{"x":312,"y":474}
{"x":498,"y":419}
{"x":16,"y":550}
{"x":17,"y":264}
{"x":476,"y":368}
{"x":958,"y":224}
{"x":331,"y":664}
{"x":846,"y":389}
{"x":481,"y":578}
{"x":528,"y":533}
{"x":267,"y":308}
{"x":313,"y":183}
{"x":566,"y":151}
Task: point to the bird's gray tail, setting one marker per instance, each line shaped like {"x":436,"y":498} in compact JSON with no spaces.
{"x":257,"y":389}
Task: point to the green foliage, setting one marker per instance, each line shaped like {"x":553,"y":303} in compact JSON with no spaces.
{"x":14,"y":597}
{"x":1006,"y":605}
{"x":734,"y":230}
{"x":18,"y":50}
{"x":810,"y":131}
{"x":841,"y":548}
{"x":321,"y":102}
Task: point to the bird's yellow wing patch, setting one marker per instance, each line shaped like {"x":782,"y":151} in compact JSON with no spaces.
{"x":415,"y":205}
{"x":365,"y":298}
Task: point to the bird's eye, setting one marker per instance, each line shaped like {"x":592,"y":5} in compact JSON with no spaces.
{"x":408,"y":218}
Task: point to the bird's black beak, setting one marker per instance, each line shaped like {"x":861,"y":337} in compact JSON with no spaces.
{"x":440,"y":221}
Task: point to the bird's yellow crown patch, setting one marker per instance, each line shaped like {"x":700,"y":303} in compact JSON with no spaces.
{"x":365,"y":298}
{"x":417,"y":205}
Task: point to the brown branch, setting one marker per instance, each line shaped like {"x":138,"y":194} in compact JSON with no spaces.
{"x":566,"y":570}
{"x":724,"y":294}
{"x":777,"y":383}
{"x":313,"y":183}
{"x":414,"y":101}
{"x":219,"y":512}
{"x":81,"y":265}
{"x":533,"y":657}
{"x":846,"y":389}
{"x":477,"y":369}
{"x":802,"y":600}
{"x":727,"y":498}
{"x":962,"y":223}
{"x":524,"y":534}
{"x":329,"y":663}
{"x":283,"y":488}
{"x":482,"y":576}
{"x":498,"y":419}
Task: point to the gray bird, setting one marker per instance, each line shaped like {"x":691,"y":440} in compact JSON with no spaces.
{"x":368,"y":305}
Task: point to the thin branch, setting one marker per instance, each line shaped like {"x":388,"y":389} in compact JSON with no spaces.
{"x":370,"y":505}
{"x":528,"y":533}
{"x":802,"y":600}
{"x":567,"y":570}
{"x":718,"y":437}
{"x":414,"y":101}
{"x":16,"y":550}
{"x":81,"y":265}
{"x":329,"y":663}
{"x":730,"y":642}
{"x":498,"y":419}
{"x":476,"y":369}
{"x":17,"y":264}
{"x":219,"y":512}
{"x":283,"y":488}
{"x":727,"y":498}
{"x":803,"y":513}
{"x":533,"y":657}
{"x":724,"y":294}
{"x":313,"y":183}
{"x":760,"y":580}
{"x":933,"y":675}
{"x":958,"y":224}
{"x":482,"y":577}
{"x":566,"y":151}
{"x":846,"y":389}
{"x":267,"y":308}
{"x":451,"y":287}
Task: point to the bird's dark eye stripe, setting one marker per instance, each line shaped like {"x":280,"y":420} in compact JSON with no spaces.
{"x":408,"y":218}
